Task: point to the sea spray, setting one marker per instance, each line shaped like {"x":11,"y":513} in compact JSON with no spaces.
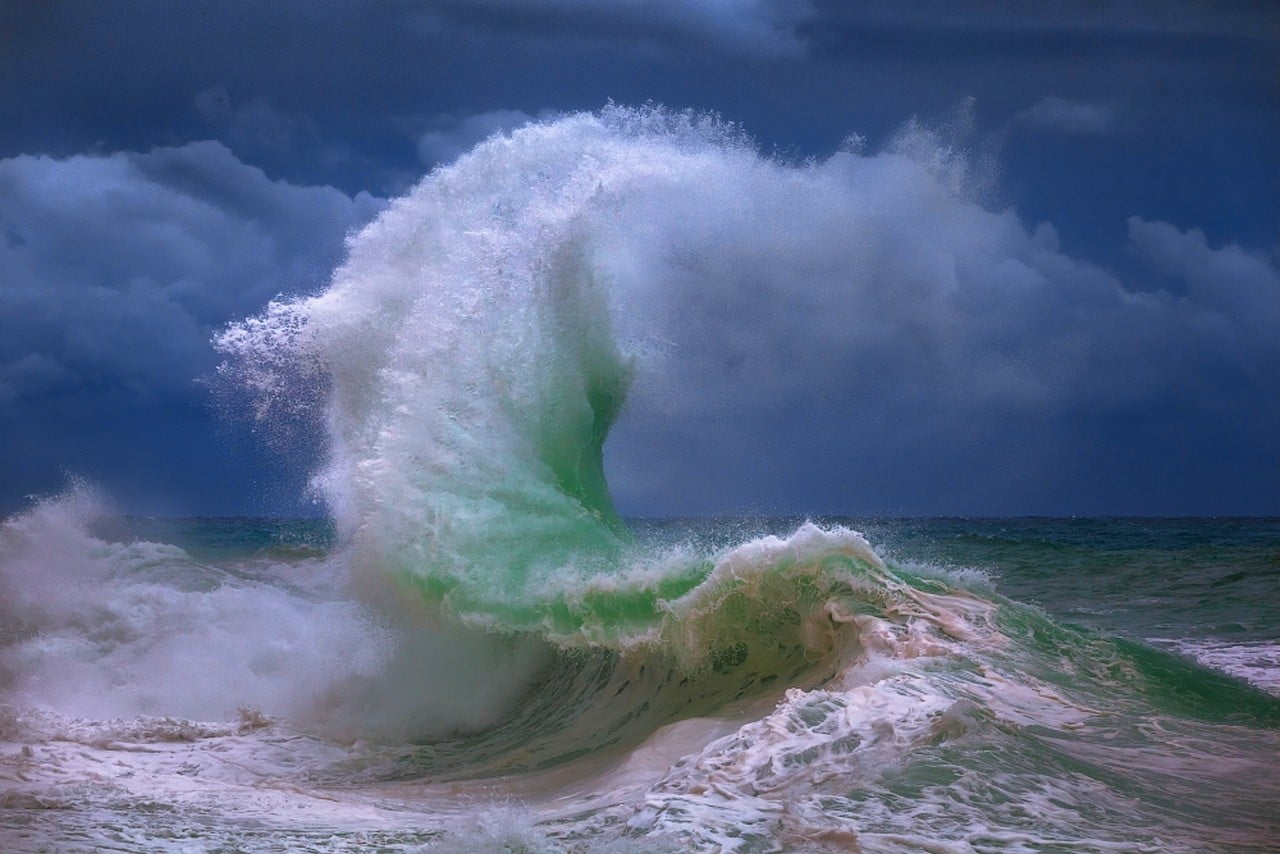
{"x":99,"y":628}
{"x":472,"y":367}
{"x":93,"y":628}
{"x":638,"y":266}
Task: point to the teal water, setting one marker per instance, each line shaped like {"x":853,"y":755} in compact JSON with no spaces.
{"x":1141,"y":577}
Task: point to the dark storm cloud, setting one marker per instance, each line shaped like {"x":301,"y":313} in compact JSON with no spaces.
{"x":254,"y":124}
{"x":448,"y":136}
{"x":1135,"y":18}
{"x":764,"y":26}
{"x":1145,"y":132}
{"x":115,"y":271}
{"x":350,"y":77}
{"x":340,"y":92}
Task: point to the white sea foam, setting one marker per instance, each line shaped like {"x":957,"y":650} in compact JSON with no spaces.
{"x":99,"y":630}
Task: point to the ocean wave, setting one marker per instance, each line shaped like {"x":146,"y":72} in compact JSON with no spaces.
{"x":483,"y":620}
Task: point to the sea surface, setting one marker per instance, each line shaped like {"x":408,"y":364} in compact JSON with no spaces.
{"x":474,"y":651}
{"x":749,"y":685}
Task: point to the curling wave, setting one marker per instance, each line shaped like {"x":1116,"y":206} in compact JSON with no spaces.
{"x":485,"y":626}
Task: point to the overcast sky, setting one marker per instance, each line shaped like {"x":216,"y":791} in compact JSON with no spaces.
{"x":168,"y":168}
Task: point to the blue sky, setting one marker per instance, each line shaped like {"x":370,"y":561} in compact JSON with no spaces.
{"x":165,"y":170}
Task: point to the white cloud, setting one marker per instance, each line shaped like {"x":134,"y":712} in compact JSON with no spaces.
{"x":1063,"y":115}
{"x":1229,"y":305}
{"x":1232,"y":280}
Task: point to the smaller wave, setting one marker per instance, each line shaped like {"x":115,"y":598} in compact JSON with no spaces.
{"x":1256,"y":662}
{"x":735,"y":634}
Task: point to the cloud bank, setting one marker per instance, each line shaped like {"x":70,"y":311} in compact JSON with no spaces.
{"x":114,"y":271}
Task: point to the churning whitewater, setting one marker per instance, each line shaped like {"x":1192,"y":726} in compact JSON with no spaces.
{"x":477,"y":653}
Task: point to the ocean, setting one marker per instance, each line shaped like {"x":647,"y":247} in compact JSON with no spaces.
{"x":750,"y":685}
{"x":475,"y":651}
